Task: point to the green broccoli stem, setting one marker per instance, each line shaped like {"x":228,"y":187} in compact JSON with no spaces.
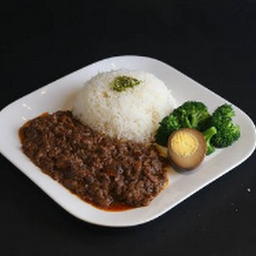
{"x":208,"y":134}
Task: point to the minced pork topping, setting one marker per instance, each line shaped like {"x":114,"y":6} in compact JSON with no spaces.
{"x":108,"y":173}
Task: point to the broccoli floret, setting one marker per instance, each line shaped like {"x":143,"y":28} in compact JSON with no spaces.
{"x":208,"y":134}
{"x":188,"y":115}
{"x":227,"y":131}
{"x":227,"y":134}
{"x":224,"y":111}
{"x":191,"y":113}
{"x":167,"y":126}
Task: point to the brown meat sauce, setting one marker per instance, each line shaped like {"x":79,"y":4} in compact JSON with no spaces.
{"x":108,"y":173}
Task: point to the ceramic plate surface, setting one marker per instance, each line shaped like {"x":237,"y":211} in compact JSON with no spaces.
{"x":59,"y":95}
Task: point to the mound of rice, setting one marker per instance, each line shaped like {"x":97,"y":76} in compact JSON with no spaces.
{"x":133,"y":114}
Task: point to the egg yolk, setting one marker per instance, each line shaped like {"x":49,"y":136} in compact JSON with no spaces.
{"x":184,"y":144}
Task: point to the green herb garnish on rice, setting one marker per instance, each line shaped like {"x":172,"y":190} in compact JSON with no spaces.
{"x":121,"y":83}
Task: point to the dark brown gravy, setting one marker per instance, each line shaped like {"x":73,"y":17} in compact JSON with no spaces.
{"x":110,"y":174}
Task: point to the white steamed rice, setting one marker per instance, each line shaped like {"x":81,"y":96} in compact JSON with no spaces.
{"x":133,"y":114}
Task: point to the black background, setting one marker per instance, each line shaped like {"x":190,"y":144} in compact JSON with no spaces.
{"x":213,"y":42}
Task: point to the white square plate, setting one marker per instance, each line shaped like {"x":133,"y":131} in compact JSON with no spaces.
{"x":59,"y":95}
